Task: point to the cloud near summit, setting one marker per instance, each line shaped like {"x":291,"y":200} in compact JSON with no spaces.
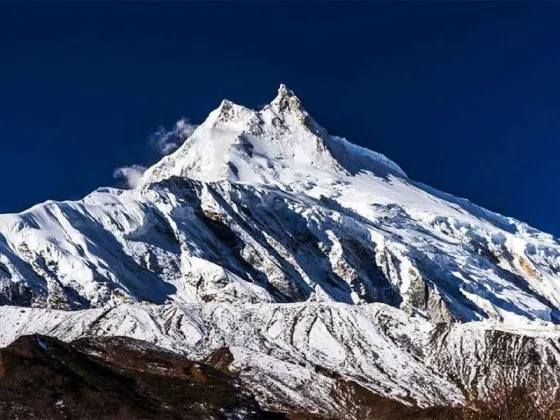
{"x":131,"y":176}
{"x":164,"y":142}
{"x":167,"y":141}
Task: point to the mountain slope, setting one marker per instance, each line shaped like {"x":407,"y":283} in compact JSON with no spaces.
{"x":264,"y":214}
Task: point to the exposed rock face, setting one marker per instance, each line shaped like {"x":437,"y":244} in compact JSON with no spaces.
{"x":300,"y":253}
{"x":41,"y":377}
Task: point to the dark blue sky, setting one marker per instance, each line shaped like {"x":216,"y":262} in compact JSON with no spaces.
{"x":464,"y":96}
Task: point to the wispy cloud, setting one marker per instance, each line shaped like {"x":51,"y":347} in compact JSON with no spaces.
{"x":167,"y":141}
{"x":131,"y":176}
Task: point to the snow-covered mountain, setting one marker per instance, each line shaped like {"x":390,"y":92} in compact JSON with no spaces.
{"x":313,"y":260}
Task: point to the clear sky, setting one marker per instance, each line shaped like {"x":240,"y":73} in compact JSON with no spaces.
{"x":463,"y":96}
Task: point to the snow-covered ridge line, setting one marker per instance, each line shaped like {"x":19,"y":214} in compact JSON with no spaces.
{"x":291,"y":348}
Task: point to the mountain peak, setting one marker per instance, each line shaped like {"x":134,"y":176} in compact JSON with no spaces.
{"x":284,"y":92}
{"x":286,"y":99}
{"x":278,"y":145}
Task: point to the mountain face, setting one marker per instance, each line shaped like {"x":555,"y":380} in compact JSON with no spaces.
{"x":314,"y":262}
